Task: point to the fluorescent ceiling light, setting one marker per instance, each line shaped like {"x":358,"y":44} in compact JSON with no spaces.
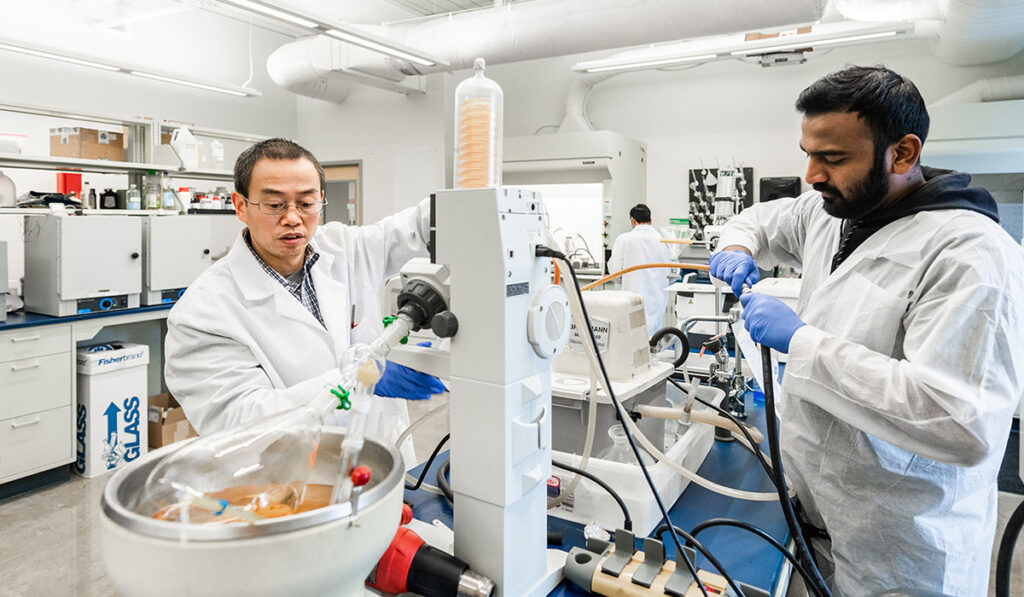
{"x":810,"y":43}
{"x":343,"y":31}
{"x":271,"y":12}
{"x":376,"y":47}
{"x":128,"y":69}
{"x":166,"y":79}
{"x":650,"y":63}
{"x":52,"y":56}
{"x":735,"y":46}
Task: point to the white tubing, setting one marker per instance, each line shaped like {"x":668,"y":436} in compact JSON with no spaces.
{"x":569,"y":285}
{"x":658,"y":454}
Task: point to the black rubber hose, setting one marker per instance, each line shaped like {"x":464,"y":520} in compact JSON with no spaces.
{"x":819,"y":587}
{"x":627,"y":521}
{"x":430,"y":461}
{"x":739,"y":425}
{"x":442,"y":481}
{"x":691,"y":541}
{"x":1004,"y":559}
{"x":719,"y":522}
{"x":683,"y":342}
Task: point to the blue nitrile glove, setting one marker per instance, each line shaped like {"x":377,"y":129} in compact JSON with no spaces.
{"x":400,"y":381}
{"x":770,"y":321}
{"x":735,"y":268}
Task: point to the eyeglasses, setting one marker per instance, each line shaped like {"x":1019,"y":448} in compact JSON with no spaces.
{"x":276,"y":207}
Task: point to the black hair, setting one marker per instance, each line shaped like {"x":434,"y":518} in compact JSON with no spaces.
{"x":889,"y":102}
{"x":271,"y":149}
{"x":641,"y":213}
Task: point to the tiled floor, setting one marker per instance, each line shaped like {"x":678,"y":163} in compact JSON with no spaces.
{"x":49,"y":540}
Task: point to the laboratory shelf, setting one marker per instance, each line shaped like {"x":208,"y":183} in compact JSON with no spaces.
{"x":35,"y":162}
{"x":16,"y":160}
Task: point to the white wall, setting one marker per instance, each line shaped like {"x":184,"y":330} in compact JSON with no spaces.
{"x":399,"y":139}
{"x":719,"y":111}
{"x":713,"y":113}
{"x":194,"y":43}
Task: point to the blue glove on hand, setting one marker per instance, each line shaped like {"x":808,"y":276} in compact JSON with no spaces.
{"x":770,"y":321}
{"x":400,"y":381}
{"x":735,"y":268}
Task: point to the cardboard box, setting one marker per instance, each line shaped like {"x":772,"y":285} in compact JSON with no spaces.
{"x":110,"y":428}
{"x":167,"y":422}
{"x":81,"y":142}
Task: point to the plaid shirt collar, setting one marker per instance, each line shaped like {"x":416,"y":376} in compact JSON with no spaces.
{"x":303,"y":291}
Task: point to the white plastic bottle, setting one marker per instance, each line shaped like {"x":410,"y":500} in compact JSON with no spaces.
{"x":478,"y":131}
{"x":8,"y":192}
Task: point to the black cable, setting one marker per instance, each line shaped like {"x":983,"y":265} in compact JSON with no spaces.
{"x":1005,"y":554}
{"x":430,"y":461}
{"x":627,"y":521}
{"x":442,"y":481}
{"x":692,"y":541}
{"x":542,"y":251}
{"x":717,"y":522}
{"x":742,"y":427}
{"x":818,"y":586}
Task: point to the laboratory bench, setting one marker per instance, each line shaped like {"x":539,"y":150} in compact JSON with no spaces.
{"x":746,"y":557}
{"x":38,"y":386}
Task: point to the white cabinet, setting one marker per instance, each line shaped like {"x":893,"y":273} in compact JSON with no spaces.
{"x":36,"y":400}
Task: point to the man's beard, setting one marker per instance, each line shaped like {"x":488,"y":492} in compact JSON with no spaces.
{"x":863,"y":198}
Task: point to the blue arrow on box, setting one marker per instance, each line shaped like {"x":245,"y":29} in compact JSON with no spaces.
{"x":111,"y":415}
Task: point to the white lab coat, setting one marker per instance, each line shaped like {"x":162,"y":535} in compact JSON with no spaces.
{"x":239,"y":346}
{"x":641,"y":245}
{"x":900,"y":389}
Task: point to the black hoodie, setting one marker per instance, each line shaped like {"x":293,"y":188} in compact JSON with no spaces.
{"x":942,"y":189}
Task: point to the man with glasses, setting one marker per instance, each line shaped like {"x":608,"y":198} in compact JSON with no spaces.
{"x":264,"y":328}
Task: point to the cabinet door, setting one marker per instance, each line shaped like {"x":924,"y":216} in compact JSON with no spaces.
{"x":97,"y":256}
{"x":35,"y":384}
{"x":35,"y":443}
{"x":177,"y":250}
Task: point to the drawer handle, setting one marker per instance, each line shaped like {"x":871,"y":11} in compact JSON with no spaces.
{"x":24,"y":367}
{"x":25,"y":424}
{"x":26,"y":338}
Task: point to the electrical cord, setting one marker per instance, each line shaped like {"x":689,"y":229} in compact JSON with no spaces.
{"x":442,"y":481}
{"x":691,"y":541}
{"x":430,"y":461}
{"x":718,"y":522}
{"x":741,"y":426}
{"x":543,"y":251}
{"x":627,"y":521}
{"x":1004,"y":556}
{"x":818,"y":585}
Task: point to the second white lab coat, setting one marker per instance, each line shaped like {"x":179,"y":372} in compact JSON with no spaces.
{"x":240,"y":347}
{"x":900,"y":389}
{"x":641,"y":245}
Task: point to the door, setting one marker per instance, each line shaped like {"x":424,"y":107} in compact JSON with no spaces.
{"x":343,"y":192}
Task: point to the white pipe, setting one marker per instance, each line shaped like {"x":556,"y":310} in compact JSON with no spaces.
{"x":986,"y":90}
{"x":576,"y":119}
{"x":885,"y":11}
{"x":980,"y":31}
{"x":527,"y":31}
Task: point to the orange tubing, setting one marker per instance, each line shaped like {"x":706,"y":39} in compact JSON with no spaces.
{"x":676,"y":241}
{"x":611,"y":277}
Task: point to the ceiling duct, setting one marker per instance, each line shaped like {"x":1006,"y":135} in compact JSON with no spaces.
{"x":525,"y":31}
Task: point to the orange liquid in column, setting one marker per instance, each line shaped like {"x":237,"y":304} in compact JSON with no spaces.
{"x":476,"y":144}
{"x":271,"y":501}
